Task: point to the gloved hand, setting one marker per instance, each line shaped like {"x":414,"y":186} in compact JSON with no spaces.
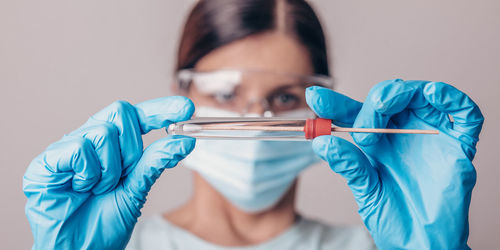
{"x":86,"y":190}
{"x":413,"y":191}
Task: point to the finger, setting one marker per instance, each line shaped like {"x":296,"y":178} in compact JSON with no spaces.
{"x":161,"y":112}
{"x":104,"y":138}
{"x":71,"y":161}
{"x":133,"y":121}
{"x":347,"y":160}
{"x":329,"y":104}
{"x":467,"y":117}
{"x":162,"y":154}
{"x":383,"y":101}
{"x":123,"y":116}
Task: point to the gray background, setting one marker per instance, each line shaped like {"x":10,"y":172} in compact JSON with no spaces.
{"x":61,"y":61}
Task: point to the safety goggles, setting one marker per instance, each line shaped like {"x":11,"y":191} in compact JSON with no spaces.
{"x":239,"y":90}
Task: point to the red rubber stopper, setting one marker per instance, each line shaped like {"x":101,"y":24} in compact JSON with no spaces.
{"x":317,"y":127}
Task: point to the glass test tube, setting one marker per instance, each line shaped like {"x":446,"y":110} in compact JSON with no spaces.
{"x":275,"y":128}
{"x":241,"y":128}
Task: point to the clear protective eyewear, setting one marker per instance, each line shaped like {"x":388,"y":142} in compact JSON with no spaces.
{"x":240,"y":90}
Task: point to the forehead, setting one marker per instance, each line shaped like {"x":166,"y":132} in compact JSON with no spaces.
{"x":272,"y":51}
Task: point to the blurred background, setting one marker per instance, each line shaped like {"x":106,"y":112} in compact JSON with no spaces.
{"x":62,"y":61}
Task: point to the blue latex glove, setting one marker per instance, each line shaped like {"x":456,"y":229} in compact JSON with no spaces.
{"x":413,"y":191}
{"x":86,"y":190}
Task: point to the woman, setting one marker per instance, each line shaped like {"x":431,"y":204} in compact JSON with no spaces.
{"x":258,"y":58}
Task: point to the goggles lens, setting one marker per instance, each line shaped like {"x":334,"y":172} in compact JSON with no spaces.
{"x":239,"y":90}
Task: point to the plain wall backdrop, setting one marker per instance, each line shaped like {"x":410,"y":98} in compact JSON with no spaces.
{"x":62,"y":61}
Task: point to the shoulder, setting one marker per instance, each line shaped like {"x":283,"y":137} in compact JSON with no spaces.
{"x":336,"y":237}
{"x":151,"y":232}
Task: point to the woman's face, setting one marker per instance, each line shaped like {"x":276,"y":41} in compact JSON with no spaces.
{"x":271,"y":63}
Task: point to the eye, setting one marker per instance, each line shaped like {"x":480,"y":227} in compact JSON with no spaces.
{"x":284,"y":101}
{"x":224,"y":98}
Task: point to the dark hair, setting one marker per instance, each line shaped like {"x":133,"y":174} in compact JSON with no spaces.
{"x":215,"y":23}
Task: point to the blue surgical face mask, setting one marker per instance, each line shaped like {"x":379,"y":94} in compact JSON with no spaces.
{"x":252,"y":175}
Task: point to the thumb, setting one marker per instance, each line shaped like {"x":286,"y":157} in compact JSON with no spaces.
{"x":161,"y":154}
{"x":329,"y":104}
{"x":347,"y":160}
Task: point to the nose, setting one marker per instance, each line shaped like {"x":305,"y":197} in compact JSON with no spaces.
{"x":259,"y":108}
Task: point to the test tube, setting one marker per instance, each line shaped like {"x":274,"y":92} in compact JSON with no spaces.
{"x":273,"y":128}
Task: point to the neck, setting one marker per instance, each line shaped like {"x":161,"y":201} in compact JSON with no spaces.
{"x":211,"y":217}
